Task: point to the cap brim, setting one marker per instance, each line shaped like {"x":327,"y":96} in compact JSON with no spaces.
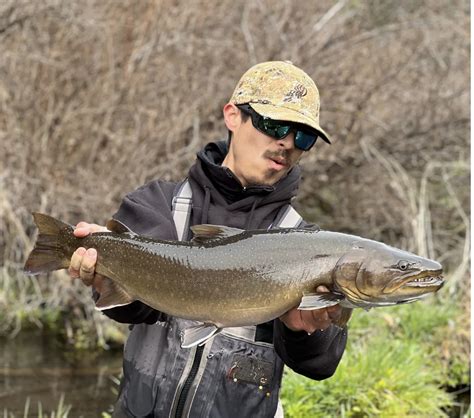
{"x":290,"y":115}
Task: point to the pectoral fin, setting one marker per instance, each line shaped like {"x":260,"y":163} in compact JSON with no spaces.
{"x":198,"y":335}
{"x":112,"y":295}
{"x":319,"y":300}
{"x":118,"y":227}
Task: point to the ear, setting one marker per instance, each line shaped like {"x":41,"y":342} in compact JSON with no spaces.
{"x":232,"y":116}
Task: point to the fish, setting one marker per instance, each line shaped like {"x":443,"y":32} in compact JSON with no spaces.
{"x":229,"y":277}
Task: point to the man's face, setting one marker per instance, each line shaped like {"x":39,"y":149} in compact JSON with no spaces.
{"x":256,"y":158}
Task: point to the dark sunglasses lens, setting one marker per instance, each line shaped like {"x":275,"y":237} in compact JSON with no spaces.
{"x":273,"y":128}
{"x":279,"y":130}
{"x":305,"y":140}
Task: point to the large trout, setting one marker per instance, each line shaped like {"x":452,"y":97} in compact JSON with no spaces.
{"x":227,"y":277}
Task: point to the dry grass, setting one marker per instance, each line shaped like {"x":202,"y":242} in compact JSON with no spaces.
{"x":98,"y":97}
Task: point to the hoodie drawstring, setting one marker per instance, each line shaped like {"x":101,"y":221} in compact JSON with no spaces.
{"x":207,"y":202}
{"x":205,"y":206}
{"x":252,"y":210}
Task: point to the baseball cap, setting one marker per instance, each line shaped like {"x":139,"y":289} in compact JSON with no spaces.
{"x":281,"y":91}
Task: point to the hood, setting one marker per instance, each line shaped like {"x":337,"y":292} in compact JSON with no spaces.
{"x":217,"y":191}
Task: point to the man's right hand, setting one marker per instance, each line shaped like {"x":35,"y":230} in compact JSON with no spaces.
{"x":83,"y":261}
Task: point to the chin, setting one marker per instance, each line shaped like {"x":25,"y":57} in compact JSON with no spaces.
{"x":270,"y":181}
{"x":267,"y":178}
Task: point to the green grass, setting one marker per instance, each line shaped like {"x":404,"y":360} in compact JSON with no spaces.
{"x":395,"y":364}
{"x":62,"y":411}
{"x":380,"y":378}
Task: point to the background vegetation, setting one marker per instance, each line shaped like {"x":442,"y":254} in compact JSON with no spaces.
{"x":98,"y":97}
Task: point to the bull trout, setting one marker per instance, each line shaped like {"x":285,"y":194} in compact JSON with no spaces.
{"x":227,"y":277}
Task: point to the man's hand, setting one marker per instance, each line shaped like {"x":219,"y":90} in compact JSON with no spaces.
{"x":83,"y":261}
{"x":310,"y":321}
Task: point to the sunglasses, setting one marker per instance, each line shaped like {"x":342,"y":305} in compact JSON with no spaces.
{"x":305,"y":137}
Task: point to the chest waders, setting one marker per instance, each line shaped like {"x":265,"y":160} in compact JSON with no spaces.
{"x":288,"y":217}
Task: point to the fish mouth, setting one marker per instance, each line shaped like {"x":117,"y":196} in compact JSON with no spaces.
{"x":423,"y":280}
{"x":426,"y":281}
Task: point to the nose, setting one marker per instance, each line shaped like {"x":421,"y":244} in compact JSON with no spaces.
{"x":288,"y":142}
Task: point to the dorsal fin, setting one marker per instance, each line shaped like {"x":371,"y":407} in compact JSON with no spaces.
{"x":206,"y":232}
{"x":118,"y":227}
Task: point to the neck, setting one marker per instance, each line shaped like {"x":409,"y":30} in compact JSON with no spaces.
{"x":229,"y":162}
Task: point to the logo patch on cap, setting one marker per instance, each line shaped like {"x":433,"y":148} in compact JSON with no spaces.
{"x":296,"y":93}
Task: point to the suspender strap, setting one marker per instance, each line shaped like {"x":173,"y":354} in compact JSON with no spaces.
{"x":181,"y":205}
{"x":289,"y":219}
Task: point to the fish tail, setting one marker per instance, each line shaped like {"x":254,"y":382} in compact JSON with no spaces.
{"x":47,"y":255}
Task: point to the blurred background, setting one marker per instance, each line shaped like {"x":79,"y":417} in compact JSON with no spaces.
{"x":99,"y":97}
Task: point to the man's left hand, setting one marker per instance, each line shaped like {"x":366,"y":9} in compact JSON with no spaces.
{"x":312,"y":320}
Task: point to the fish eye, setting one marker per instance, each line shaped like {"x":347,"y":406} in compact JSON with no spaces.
{"x":403,"y":265}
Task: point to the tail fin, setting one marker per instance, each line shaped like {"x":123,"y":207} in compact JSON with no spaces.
{"x":47,"y":254}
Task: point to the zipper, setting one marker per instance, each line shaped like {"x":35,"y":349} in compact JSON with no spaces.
{"x":189,"y":381}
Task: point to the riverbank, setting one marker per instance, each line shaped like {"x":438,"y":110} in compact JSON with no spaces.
{"x":35,"y":366}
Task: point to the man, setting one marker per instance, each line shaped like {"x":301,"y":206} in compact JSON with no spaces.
{"x":246,"y":182}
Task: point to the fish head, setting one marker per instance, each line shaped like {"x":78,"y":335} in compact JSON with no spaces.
{"x":375,"y":274}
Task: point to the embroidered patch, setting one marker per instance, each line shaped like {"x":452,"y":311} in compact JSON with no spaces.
{"x":296,"y":93}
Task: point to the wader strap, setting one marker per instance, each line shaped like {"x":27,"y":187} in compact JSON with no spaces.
{"x":287,"y":218}
{"x":181,"y":205}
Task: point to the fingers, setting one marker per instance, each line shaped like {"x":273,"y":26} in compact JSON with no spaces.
{"x":76,"y":261}
{"x":334,"y":312}
{"x":83,"y":229}
{"x":317,"y":319}
{"x":312,"y":320}
{"x":292,"y":320}
{"x":309,"y":321}
{"x":87,"y":269}
{"x":82,"y":265}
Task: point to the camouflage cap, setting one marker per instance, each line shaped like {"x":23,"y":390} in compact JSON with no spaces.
{"x":281,"y":91}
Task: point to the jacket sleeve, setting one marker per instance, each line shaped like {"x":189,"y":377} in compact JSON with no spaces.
{"x":146,"y":211}
{"x":315,"y":356}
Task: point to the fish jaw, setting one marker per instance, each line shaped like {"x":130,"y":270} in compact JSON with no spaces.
{"x":426,"y":281}
{"x":423,"y":282}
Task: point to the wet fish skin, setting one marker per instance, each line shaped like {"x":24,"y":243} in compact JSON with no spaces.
{"x":227,"y":277}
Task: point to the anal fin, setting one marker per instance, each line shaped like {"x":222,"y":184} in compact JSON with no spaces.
{"x":112,"y":295}
{"x":319,"y":300}
{"x":198,"y":335}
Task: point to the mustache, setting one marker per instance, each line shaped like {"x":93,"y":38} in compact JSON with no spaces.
{"x":278,"y":154}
